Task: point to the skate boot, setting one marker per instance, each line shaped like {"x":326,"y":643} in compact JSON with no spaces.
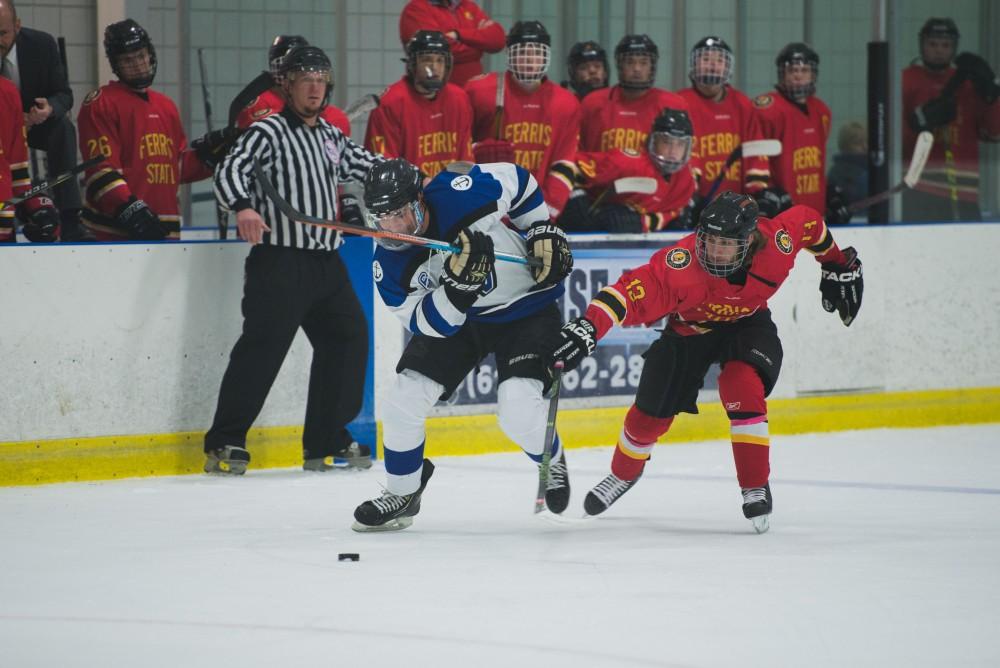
{"x":227,"y":460}
{"x":557,"y":489}
{"x":607,"y":492}
{"x":391,"y":512}
{"x":757,"y":506}
{"x":356,"y":455}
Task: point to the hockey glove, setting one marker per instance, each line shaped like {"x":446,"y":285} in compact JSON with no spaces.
{"x":548,"y":242}
{"x":212,"y":146}
{"x":136,"y":218}
{"x":933,"y":114}
{"x":493,"y":150}
{"x":619,"y":219}
{"x":466,"y":273}
{"x":40,"y":219}
{"x":350,"y":210}
{"x":772,"y":201}
{"x":576,"y":340}
{"x":575,"y":216}
{"x":979,"y":72}
{"x":836,"y":207}
{"x":841,"y":286}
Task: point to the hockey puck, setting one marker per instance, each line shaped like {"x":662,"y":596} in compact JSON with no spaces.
{"x":348,"y":556}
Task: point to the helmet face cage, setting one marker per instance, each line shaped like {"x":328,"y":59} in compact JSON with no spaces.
{"x":711,"y":64}
{"x":126,"y":37}
{"x":428,"y":42}
{"x":725,"y":233}
{"x":280,"y":47}
{"x":377,"y":221}
{"x":714,"y":266}
{"x":797,"y":55}
{"x":668,"y":164}
{"x":392,"y":187}
{"x":528,"y":62}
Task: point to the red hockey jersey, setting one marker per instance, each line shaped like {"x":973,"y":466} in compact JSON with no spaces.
{"x":428,"y":133}
{"x":146,"y":156}
{"x":803,"y":130}
{"x":719,"y":128}
{"x":543,"y":125}
{"x":674,"y":285}
{"x":608,"y":120}
{"x":14,"y":176}
{"x":269,"y":102}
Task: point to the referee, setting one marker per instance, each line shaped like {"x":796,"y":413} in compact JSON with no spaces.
{"x":294,"y":276}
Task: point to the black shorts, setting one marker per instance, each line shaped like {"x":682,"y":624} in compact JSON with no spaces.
{"x":449,"y":360}
{"x":675,"y":366}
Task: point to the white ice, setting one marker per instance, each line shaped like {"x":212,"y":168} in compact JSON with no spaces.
{"x":884,"y":550}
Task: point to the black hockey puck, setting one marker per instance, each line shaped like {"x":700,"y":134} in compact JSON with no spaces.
{"x":348,"y":556}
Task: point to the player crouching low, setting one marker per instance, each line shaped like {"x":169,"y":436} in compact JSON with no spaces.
{"x":461,"y":307}
{"x":712,"y":286}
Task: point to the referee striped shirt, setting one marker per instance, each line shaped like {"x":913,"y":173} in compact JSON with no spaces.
{"x":304,"y":163}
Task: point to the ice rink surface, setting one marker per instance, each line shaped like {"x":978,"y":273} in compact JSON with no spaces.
{"x":884,"y":550}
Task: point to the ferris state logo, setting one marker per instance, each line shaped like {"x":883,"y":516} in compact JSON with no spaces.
{"x":678,"y":258}
{"x":783,"y":241}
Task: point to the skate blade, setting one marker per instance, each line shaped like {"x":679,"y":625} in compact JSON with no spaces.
{"x":397,"y":524}
{"x":761,"y":523}
{"x":563,"y":520}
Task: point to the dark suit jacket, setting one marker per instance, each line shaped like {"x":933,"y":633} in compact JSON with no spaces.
{"x":42,"y":73}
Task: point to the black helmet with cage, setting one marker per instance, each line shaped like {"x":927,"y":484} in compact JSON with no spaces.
{"x":391,"y":187}
{"x":279,"y":48}
{"x":585,"y":52}
{"x":127,"y":37}
{"x":711,"y":62}
{"x":529,"y":51}
{"x":797,"y":53}
{"x":428,"y":41}
{"x":636,"y":45}
{"x":725,"y":233}
{"x":671,"y":128}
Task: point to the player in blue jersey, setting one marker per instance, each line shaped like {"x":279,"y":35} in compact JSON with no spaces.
{"x":461,"y":307}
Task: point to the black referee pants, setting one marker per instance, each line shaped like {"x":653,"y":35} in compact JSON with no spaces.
{"x":284,"y":289}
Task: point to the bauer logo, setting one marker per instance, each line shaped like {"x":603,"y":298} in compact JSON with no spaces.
{"x":376,"y":271}
{"x":678,"y":258}
{"x":783,"y":241}
{"x":462,"y":182}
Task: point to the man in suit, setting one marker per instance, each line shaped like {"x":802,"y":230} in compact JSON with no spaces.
{"x":30,"y":58}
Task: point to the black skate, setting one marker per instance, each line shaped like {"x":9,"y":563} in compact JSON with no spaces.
{"x":356,"y":455}
{"x":391,"y":512}
{"x":607,"y":492}
{"x":757,"y":506}
{"x":227,"y":460}
{"x":557,"y":488}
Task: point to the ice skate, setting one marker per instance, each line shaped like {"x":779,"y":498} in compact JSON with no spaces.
{"x":557,"y":488}
{"x":607,"y":492}
{"x":391,"y":512}
{"x":227,"y":460}
{"x":757,"y":506}
{"x":356,"y":456}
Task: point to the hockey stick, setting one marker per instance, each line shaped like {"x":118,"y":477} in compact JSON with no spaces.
{"x":921,"y":151}
{"x":644,"y":185}
{"x":54,"y":181}
{"x":748,"y":149}
{"x":250,"y":92}
{"x":289,"y":212}
{"x":498,"y":114}
{"x":550,"y":435}
{"x":221,"y":217}
{"x":361,"y":106}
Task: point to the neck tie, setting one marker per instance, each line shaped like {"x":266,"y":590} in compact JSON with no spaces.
{"x":5,"y":71}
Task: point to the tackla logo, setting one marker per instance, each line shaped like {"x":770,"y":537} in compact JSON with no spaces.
{"x":783,"y":241}
{"x":678,"y":258}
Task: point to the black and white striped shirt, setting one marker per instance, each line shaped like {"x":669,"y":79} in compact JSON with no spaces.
{"x":304,"y":164}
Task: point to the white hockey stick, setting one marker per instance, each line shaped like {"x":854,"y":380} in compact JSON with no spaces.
{"x":361,"y":106}
{"x":645,"y":185}
{"x":921,"y":151}
{"x":748,"y":149}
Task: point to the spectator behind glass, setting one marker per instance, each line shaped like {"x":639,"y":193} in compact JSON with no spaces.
{"x":468,"y":29}
{"x":849,"y":172}
{"x":958,"y":103}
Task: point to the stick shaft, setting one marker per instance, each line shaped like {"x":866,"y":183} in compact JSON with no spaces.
{"x":550,"y":435}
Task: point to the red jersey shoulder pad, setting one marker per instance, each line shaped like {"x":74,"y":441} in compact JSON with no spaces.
{"x":92,"y":96}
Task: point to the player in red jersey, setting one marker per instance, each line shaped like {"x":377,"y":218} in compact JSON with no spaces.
{"x":133,"y":193}
{"x":713,"y":287}
{"x":620,"y":116}
{"x":664,"y":160}
{"x":272,"y":101}
{"x":586,"y":69}
{"x":959,"y":105}
{"x":537,"y":122}
{"x":801,"y":121}
{"x":723,"y":119}
{"x":38,"y":214}
{"x":469,"y":29}
{"x":422,"y":117}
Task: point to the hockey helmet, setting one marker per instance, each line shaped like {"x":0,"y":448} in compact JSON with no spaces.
{"x":725,"y":232}
{"x":127,"y":37}
{"x":279,"y":48}
{"x":392,"y":191}
{"x":428,"y":41}
{"x":529,"y":50}
{"x":307,"y":58}
{"x":669,"y":142}
{"x":795,"y":54}
{"x":711,"y":62}
{"x":636,"y":45}
{"x":586,"y":52}
{"x":938,"y":28}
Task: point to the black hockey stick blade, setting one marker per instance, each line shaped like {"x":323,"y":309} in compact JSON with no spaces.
{"x":54,"y":181}
{"x":550,"y":435}
{"x":250,"y":92}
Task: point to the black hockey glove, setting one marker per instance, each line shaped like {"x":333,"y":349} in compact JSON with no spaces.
{"x":40,"y":219}
{"x":836,"y":206}
{"x":979,"y":72}
{"x":466,"y":273}
{"x":212,"y":146}
{"x":618,"y":219}
{"x":933,"y":114}
{"x":576,"y":340}
{"x":841,"y":286}
{"x":136,"y":218}
{"x":549,"y":243}
{"x":772,"y":201}
{"x":575,"y":216}
{"x":350,"y":210}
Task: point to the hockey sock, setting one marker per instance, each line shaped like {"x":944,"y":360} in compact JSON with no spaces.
{"x":404,"y":413}
{"x":635,"y":444}
{"x":742,"y":393}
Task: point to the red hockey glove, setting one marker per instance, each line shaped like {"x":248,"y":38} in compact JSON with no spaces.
{"x":40,"y":219}
{"x":493,"y":150}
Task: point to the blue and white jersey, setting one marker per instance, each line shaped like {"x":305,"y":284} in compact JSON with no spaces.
{"x":479,"y":199}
